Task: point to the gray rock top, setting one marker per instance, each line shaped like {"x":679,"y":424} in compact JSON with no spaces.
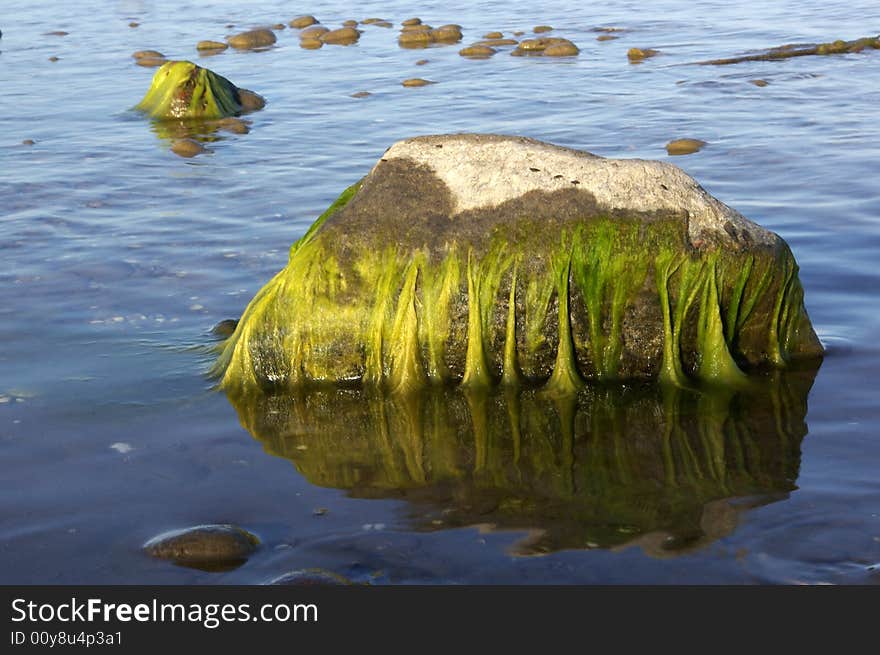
{"x":482,"y":171}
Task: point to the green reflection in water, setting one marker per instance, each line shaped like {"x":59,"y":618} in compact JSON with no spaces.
{"x":606,"y":467}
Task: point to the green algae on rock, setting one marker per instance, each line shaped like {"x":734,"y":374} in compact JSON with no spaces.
{"x":183,"y":90}
{"x":487,"y":259}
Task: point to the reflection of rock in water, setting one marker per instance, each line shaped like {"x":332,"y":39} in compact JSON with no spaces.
{"x":609,"y":467}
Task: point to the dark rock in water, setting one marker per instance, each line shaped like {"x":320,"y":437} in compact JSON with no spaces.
{"x":310,"y":577}
{"x":225,"y":328}
{"x":206,"y":547}
{"x":482,"y":259}
{"x":188,"y":148}
{"x":788,"y":51}
{"x":261,"y":38}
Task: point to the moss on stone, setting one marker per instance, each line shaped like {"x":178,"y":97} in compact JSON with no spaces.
{"x":183,"y":90}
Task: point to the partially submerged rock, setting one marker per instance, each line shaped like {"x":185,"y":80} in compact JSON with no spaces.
{"x":252,"y":39}
{"x":788,"y":51}
{"x":208,"y":547}
{"x":479,"y":259}
{"x":546,"y":46}
{"x":684,"y":146}
{"x":183,"y":90}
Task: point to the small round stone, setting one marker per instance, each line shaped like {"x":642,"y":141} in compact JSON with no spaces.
{"x":495,"y":43}
{"x":313,"y":32}
{"x":211,"y":45}
{"x":342,"y":36}
{"x":561,"y":50}
{"x":260,"y":38}
{"x":311,"y":44}
{"x":279,"y":26}
{"x":150,"y":62}
{"x":188,"y":148}
{"x":684,"y":146}
{"x":53,"y":58}
{"x":370,"y":21}
{"x":533,"y":45}
{"x":412,"y":21}
{"x":133,"y":24}
{"x":361,"y":94}
{"x":151,"y":54}
{"x":638,"y":54}
{"x":303,"y":21}
{"x":309,"y":578}
{"x":250,"y":101}
{"x":416,"y":81}
{"x":493,"y":35}
{"x":606,"y":37}
{"x":759,"y":82}
{"x":205,"y":546}
{"x":447,"y":34}
{"x":421,"y":62}
{"x":235,"y":126}
{"x":477,"y":51}
{"x":420,"y":39}
{"x":225,"y":328}
{"x":538,"y":29}
{"x":28,"y":142}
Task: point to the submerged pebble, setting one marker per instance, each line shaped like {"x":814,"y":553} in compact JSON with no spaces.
{"x":416,"y":81}
{"x":342,"y":36}
{"x":303,"y":21}
{"x":148,"y":54}
{"x":494,"y":43}
{"x":759,"y":82}
{"x":28,"y":142}
{"x":421,"y":62}
{"x":361,"y":94}
{"x":235,"y":126}
{"x":211,"y":45}
{"x":225,"y":328}
{"x":205,"y":546}
{"x":259,"y":38}
{"x":310,"y":577}
{"x":493,"y":35}
{"x":539,"y":29}
{"x":561,"y":50}
{"x":250,"y":101}
{"x":188,"y":148}
{"x":684,"y":146}
{"x":638,"y":54}
{"x":313,"y":32}
{"x":606,"y":37}
{"x":477,"y":51}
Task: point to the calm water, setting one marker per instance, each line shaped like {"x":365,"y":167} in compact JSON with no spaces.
{"x":118,"y":257}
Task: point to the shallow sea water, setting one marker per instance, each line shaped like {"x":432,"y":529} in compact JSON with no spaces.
{"x":118,"y":257}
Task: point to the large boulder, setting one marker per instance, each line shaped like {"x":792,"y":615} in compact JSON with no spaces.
{"x":482,"y":259}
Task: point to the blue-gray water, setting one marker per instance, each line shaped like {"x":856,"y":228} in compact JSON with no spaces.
{"x":118,"y":257}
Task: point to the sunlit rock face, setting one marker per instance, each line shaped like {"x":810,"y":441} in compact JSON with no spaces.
{"x":664,"y":468}
{"x":484,"y":259}
{"x":183,"y":90}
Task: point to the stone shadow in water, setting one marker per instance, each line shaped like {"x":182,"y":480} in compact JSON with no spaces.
{"x":609,"y":467}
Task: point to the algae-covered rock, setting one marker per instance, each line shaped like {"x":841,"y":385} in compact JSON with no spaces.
{"x":183,"y":90}
{"x":480,"y":259}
